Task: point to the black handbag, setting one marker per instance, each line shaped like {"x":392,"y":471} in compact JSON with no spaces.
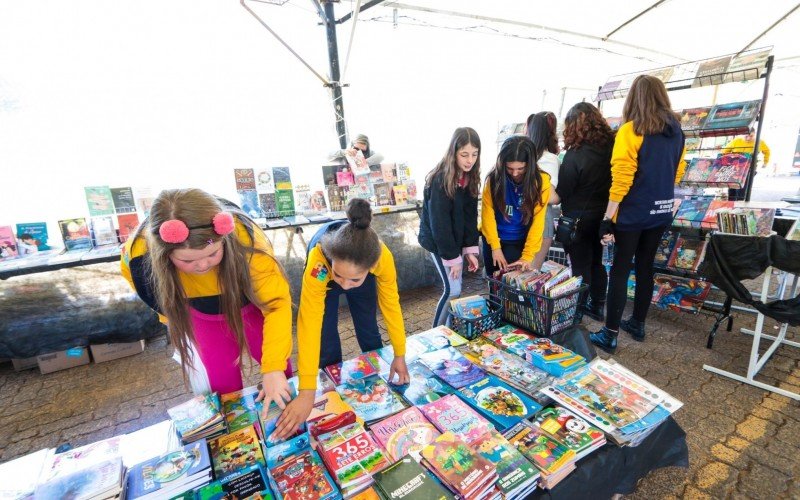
{"x":567,"y":230}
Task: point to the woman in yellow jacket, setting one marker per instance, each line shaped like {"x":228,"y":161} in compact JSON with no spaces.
{"x":513,"y":207}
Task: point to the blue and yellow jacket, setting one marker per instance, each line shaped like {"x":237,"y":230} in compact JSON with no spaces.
{"x":644,"y":171}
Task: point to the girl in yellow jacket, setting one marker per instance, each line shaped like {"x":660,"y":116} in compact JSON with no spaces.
{"x":209,"y":272}
{"x":513,"y":207}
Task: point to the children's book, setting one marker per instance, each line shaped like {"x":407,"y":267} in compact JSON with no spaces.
{"x":730,"y":170}
{"x":249,"y":203}
{"x":423,"y":387}
{"x":710,"y":219}
{"x":383,"y":193}
{"x":127,"y":225}
{"x":245,"y":179}
{"x":302,"y":201}
{"x":680,"y":294}
{"x":8,"y":245}
{"x":570,"y":430}
{"x":687,"y":255}
{"x":471,"y":307}
{"x":400,"y":193}
{"x":451,"y":414}
{"x":691,"y":212}
{"x":665,"y":247}
{"x":75,"y":233}
{"x":363,"y":365}
{"x":352,"y":456}
{"x":241,"y":409}
{"x":449,"y":365}
{"x":404,"y":433}
{"x":698,"y":170}
{"x":693,"y":119}
{"x":103,"y":231}
{"x":303,"y":477}
{"x":631,"y":292}
{"x":711,"y":72}
{"x":196,"y":415}
{"x":437,"y":338}
{"x":759,"y":221}
{"x":123,"y":199}
{"x":408,"y":479}
{"x":735,"y":115}
{"x":76,"y":459}
{"x":516,"y":474}
{"x":170,"y":473}
{"x":235,"y":451}
{"x":99,"y":200}
{"x":250,"y":482}
{"x":500,"y":403}
{"x":265,"y":182}
{"x":370,"y":397}
{"x":330,"y":412}
{"x":545,"y":452}
{"x":458,"y":465}
{"x":32,"y":237}
{"x":100,"y":480}
{"x":510,"y":368}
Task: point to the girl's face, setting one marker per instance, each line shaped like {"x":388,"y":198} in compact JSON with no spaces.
{"x":197,"y":261}
{"x":348,"y":275}
{"x":466,"y":157}
{"x":515,"y":170}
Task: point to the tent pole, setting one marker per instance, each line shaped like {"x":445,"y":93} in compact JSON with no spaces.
{"x":336,"y":84}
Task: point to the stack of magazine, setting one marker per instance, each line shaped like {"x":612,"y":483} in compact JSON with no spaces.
{"x":200,"y":417}
{"x":540,"y":352}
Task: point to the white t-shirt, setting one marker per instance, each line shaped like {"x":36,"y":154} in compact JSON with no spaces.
{"x":549,"y":163}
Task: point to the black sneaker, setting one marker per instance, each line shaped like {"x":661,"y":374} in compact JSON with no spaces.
{"x":605,"y":339}
{"x":634,"y":327}
{"x":595,"y":310}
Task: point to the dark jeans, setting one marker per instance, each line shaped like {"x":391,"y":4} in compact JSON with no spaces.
{"x":512,"y":251}
{"x":363,"y":303}
{"x":586,"y":259}
{"x":629,"y":244}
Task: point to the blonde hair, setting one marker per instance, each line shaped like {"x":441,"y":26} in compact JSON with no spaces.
{"x":196,"y":209}
{"x":648,"y":106}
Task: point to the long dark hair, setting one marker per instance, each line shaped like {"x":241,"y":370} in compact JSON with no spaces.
{"x":542,"y":131}
{"x":447,"y":167}
{"x":516,"y":148}
{"x":355,"y":242}
{"x":584,"y":124}
{"x":648,"y":106}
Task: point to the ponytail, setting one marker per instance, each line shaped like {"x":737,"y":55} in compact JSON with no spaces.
{"x":355,"y":242}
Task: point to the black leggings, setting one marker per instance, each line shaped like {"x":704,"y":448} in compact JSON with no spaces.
{"x":586,"y":259}
{"x":629,"y":244}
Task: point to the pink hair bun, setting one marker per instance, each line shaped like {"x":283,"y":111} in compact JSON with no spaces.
{"x":173,"y":231}
{"x":223,"y":223}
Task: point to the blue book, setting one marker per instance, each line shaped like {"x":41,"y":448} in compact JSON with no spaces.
{"x":171,"y":473}
{"x":423,"y":387}
{"x":370,"y":397}
{"x":500,"y":403}
{"x":452,"y":367}
{"x":32,"y":237}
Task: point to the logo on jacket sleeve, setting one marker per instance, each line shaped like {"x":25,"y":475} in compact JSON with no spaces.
{"x":319,"y":271}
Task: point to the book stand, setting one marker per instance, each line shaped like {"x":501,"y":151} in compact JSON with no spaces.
{"x":756,"y":363}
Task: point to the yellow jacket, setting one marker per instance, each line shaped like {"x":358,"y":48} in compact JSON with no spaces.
{"x":269,"y":284}
{"x":488,"y":225}
{"x":742,"y":145}
{"x":316,"y":276}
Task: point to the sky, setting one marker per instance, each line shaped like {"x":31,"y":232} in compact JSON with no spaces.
{"x":178,"y":93}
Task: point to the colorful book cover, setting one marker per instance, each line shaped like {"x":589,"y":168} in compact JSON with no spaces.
{"x":75,"y":233}
{"x":249,"y":483}
{"x":438,"y":338}
{"x":631,"y":292}
{"x":512,"y":369}
{"x":747,"y":66}
{"x":32,"y":237}
{"x":198,"y":412}
{"x":235,"y":451}
{"x":124,"y":202}
{"x":730,"y":170}
{"x":408,"y":479}
{"x":100,"y":480}
{"x":318,"y":203}
{"x":76,"y":459}
{"x":691,"y":212}
{"x":514,"y":471}
{"x":679,"y":294}
{"x":451,"y":414}
{"x":400,"y":193}
{"x":351,"y":455}
{"x":99,"y":200}
{"x":245,"y":179}
{"x":358,"y":164}
{"x":449,"y":365}
{"x":698,"y":170}
{"x":545,"y":452}
{"x":498,"y":402}
{"x":8,"y":245}
{"x":249,"y":203}
{"x":103,"y":232}
{"x":389,"y":172}
{"x":265,"y":183}
{"x":458,"y":464}
{"x":241,"y":409}
{"x":423,"y":387}
{"x":510,"y":339}
{"x":735,"y":115}
{"x":363,"y":365}
{"x":283,"y":178}
{"x":169,"y":470}
{"x":711,"y":72}
{"x":345,"y":178}
{"x":687,"y":255}
{"x":284,"y":202}
{"x":710,"y":219}
{"x":302,"y":200}
{"x":794,"y":232}
{"x":404,"y":433}
{"x":471,"y":307}
{"x":303,"y":477}
{"x":370,"y":397}
{"x":569,"y":429}
{"x":760,"y":221}
{"x":693,"y":119}
{"x":337,"y":197}
{"x":127,"y":225}
{"x":665,"y":247}
{"x":266,"y":201}
{"x":383,"y":193}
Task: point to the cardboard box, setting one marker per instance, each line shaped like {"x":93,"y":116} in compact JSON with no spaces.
{"x":24,"y":363}
{"x":107,"y":352}
{"x":61,"y":360}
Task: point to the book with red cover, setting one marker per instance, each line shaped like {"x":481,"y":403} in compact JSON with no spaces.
{"x":687,"y":255}
{"x":127,"y":225}
{"x":730,"y":170}
{"x":458,"y":465}
{"x":679,"y":294}
{"x":710,"y":219}
{"x":352,"y":456}
{"x":693,"y":119}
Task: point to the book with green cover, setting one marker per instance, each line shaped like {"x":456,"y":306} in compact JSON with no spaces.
{"x":99,"y":200}
{"x":407,"y":479}
{"x":235,"y":451}
{"x":515,"y":473}
{"x":458,"y":465}
{"x":284,"y":202}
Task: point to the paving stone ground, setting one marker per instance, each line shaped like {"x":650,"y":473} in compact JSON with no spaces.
{"x":743,"y":441}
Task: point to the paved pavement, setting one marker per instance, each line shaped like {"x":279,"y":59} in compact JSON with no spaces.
{"x":743,"y":442}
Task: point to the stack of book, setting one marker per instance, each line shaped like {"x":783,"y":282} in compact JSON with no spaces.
{"x":570,"y":430}
{"x":517,"y":477}
{"x":370,"y":397}
{"x":170,"y":474}
{"x":92,"y":471}
{"x":470,"y":307}
{"x":746,"y":221}
{"x":407,"y":479}
{"x":553,"y":459}
{"x":427,"y":341}
{"x":451,"y":414}
{"x":460,"y":468}
{"x":235,"y":451}
{"x":623,"y":405}
{"x":363,"y":365}
{"x":249,"y":482}
{"x":200,"y":417}
{"x":726,"y":170}
{"x":352,"y":456}
{"x":296,"y":472}
{"x":540,"y":352}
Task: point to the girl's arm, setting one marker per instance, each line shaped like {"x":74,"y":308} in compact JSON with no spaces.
{"x":534,"y":240}
{"x":272,"y":290}
{"x":624,"y":162}
{"x":488,"y":220}
{"x":309,"y":318}
{"x":389,"y":302}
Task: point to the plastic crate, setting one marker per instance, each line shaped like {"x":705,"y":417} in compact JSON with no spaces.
{"x":470,"y":328}
{"x":544,"y":316}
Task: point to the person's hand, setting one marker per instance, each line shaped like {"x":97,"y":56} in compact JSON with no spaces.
{"x":274,"y":388}
{"x":522,"y":265}
{"x":455,"y":271}
{"x":399,"y":368}
{"x":607,"y":239}
{"x":294,"y":415}
{"x":499,"y":260}
{"x":472,"y":262}
{"x":606,"y":228}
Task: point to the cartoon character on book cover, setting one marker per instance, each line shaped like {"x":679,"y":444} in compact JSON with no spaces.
{"x":423,"y":386}
{"x":452,"y":367}
{"x":680,"y":294}
{"x":730,"y":169}
{"x":370,"y":397}
{"x":235,"y":451}
{"x":699,"y":170}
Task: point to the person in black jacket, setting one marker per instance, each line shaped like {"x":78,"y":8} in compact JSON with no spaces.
{"x":583,"y":184}
{"x":449,"y":223}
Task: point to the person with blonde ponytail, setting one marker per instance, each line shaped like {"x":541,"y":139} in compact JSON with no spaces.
{"x":209,"y":272}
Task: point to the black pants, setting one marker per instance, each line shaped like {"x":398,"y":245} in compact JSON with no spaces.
{"x":629,"y":244}
{"x":512,"y":251}
{"x":586,"y":259}
{"x":363,"y":303}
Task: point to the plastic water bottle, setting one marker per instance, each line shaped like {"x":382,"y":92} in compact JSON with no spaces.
{"x":608,"y":255}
